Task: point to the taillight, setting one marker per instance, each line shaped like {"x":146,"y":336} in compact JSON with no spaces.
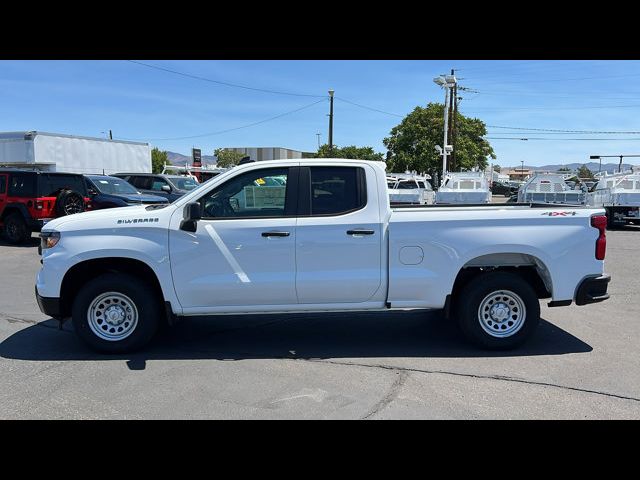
{"x":600,"y":222}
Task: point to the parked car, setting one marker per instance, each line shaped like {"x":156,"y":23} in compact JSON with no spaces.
{"x":325,"y":240}
{"x":499,"y":188}
{"x":108,"y":192}
{"x":171,"y":187}
{"x":29,"y":199}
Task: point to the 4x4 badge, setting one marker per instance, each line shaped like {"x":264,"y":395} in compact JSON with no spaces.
{"x":559,"y":214}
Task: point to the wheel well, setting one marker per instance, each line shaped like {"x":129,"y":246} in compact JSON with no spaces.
{"x":530,"y":273}
{"x":81,"y":273}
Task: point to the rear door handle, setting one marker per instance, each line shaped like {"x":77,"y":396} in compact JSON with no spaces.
{"x":275,"y":234}
{"x":360,"y":232}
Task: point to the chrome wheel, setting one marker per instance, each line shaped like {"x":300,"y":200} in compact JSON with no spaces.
{"x":112,"y":316}
{"x":502,"y":313}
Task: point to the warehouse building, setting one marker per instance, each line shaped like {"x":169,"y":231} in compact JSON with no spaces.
{"x":259,"y":154}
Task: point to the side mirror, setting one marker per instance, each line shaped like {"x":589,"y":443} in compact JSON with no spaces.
{"x":192,"y":213}
{"x":166,"y":188}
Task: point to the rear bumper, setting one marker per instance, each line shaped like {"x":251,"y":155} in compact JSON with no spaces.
{"x":49,"y":306}
{"x":593,"y":290}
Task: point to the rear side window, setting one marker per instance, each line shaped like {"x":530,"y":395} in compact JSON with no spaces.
{"x":337,"y":190}
{"x":51,"y":185}
{"x":22,"y":185}
{"x":143,"y":183}
{"x":3,"y":183}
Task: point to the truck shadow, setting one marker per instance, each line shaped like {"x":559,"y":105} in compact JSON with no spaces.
{"x":293,"y":336}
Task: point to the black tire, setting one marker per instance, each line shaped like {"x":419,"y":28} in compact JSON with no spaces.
{"x":15,"y":229}
{"x":69,"y":202}
{"x":473,"y":295}
{"x":131,"y":288}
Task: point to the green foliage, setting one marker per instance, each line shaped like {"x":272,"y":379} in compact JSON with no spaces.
{"x":158,"y":160}
{"x":412,"y":143}
{"x":227,"y":158}
{"x":564,"y":169}
{"x":353,"y":152}
{"x":584,"y":172}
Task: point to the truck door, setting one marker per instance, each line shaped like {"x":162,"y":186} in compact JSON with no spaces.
{"x":243,"y":252}
{"x":338,"y":236}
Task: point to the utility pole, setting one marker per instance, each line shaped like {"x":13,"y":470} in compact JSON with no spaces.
{"x":110,"y":135}
{"x":452,"y":161}
{"x":331,"y":92}
{"x":318,"y":135}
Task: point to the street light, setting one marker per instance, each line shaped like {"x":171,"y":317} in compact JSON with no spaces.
{"x":446,"y":82}
{"x":597,"y":157}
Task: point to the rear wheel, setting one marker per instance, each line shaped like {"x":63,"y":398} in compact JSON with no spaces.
{"x":68,"y":203}
{"x":116,"y":313}
{"x":498,"y":310}
{"x":15,"y":229}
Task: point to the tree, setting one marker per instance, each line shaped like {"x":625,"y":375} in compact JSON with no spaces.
{"x":564,"y":169}
{"x":497,"y":168}
{"x":158,"y":160}
{"x":353,"y":152}
{"x":413,"y":142}
{"x":227,"y":158}
{"x":584,"y":172}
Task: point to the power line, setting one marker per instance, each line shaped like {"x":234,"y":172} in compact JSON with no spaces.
{"x":564,"y":131}
{"x":228,"y":84}
{"x":369,"y":108}
{"x":562,"y":139}
{"x":231,"y":129}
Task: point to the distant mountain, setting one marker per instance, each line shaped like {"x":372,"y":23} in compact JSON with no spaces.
{"x":180,"y":160}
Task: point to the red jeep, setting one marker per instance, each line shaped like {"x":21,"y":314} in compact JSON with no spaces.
{"x":29,"y":199}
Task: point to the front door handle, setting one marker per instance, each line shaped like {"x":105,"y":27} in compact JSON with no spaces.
{"x":360,"y":232}
{"x":275,"y":234}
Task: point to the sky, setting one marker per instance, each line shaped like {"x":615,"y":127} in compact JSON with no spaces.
{"x":285,"y":103}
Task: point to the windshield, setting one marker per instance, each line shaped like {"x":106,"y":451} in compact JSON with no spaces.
{"x":113,"y":185}
{"x":185,"y":183}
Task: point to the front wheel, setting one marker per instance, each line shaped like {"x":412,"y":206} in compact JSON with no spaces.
{"x":15,"y":229}
{"x":116,"y":313}
{"x":498,"y":310}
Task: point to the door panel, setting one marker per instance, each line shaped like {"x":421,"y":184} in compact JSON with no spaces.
{"x":339,"y":254}
{"x":243,"y":252}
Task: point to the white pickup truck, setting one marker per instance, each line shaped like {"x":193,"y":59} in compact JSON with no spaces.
{"x":315,"y":235}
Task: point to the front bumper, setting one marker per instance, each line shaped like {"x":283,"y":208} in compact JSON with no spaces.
{"x":593,"y":290}
{"x":49,"y":306}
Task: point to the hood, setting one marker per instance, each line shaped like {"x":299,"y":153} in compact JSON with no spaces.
{"x":139,"y":198}
{"x":102,"y":218}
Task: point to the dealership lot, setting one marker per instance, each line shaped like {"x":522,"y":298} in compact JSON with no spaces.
{"x":583,"y":362}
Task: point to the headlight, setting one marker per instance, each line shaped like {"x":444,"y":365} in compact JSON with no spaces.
{"x":49,"y":239}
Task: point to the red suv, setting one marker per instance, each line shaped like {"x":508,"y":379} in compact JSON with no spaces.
{"x":29,"y":199}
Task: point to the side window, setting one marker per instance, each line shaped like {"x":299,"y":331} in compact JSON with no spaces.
{"x":3,"y":184}
{"x":157,"y":184}
{"x":260,"y":193}
{"x":22,"y":185}
{"x":337,"y":190}
{"x":143,"y":183}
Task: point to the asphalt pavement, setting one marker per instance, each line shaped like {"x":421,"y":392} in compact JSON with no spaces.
{"x":582,"y":363}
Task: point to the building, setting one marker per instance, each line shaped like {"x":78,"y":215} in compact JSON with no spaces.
{"x":519,"y":173}
{"x":270,"y":153}
{"x":56,"y":152}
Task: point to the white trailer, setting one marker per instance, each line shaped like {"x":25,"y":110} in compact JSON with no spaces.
{"x":54,"y":152}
